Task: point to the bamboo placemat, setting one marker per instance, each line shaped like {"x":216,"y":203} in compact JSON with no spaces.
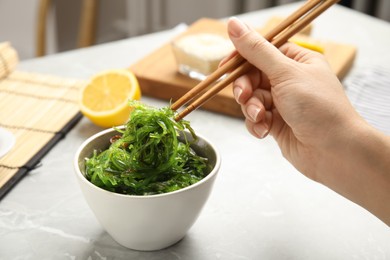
{"x":38,"y":110}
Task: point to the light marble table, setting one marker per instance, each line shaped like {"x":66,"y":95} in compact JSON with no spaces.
{"x":261,"y":207}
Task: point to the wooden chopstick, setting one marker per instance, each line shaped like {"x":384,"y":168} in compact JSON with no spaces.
{"x":239,"y":66}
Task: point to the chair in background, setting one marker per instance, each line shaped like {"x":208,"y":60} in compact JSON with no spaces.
{"x":87,"y":25}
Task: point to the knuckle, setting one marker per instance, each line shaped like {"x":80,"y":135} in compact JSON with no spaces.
{"x":257,"y":44}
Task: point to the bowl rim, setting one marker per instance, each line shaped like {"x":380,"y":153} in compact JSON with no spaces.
{"x":82,"y":177}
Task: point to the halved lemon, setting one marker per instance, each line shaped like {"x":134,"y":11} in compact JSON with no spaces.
{"x":104,"y":99}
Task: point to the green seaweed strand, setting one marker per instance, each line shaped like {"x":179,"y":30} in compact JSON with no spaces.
{"x":148,"y":158}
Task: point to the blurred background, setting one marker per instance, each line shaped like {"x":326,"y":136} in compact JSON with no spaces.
{"x":40,"y":27}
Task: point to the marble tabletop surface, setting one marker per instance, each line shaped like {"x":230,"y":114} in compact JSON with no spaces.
{"x":260,"y":208}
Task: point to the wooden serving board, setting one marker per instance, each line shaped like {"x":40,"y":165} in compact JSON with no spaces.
{"x":158,"y":76}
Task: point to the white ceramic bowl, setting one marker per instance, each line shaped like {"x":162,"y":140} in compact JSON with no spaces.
{"x":149,"y":222}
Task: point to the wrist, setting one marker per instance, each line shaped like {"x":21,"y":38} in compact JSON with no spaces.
{"x":361,"y":168}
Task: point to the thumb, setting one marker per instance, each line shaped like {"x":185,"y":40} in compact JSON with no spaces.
{"x":254,"y":47}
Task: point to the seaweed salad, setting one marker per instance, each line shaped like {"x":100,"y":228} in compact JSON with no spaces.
{"x":148,"y":157}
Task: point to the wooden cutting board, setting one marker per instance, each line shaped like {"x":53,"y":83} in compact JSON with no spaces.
{"x":158,"y":76}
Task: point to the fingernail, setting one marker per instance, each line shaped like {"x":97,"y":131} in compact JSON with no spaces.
{"x":253,"y":112}
{"x":260,"y":130}
{"x":237,"y":93}
{"x":237,"y":28}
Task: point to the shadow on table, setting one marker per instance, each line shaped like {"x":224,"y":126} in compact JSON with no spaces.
{"x":105,"y":247}
{"x":86,"y":129}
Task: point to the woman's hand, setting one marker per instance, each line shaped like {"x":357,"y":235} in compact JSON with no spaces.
{"x":292,"y":94}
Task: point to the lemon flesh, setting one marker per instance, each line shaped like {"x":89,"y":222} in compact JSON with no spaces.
{"x":104,"y":99}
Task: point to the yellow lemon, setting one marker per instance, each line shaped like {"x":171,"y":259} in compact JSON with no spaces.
{"x":104,"y":99}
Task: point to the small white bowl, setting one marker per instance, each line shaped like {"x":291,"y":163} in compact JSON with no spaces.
{"x":7,"y":141}
{"x":149,"y":222}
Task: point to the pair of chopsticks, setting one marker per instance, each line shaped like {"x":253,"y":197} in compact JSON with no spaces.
{"x":238,"y":66}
